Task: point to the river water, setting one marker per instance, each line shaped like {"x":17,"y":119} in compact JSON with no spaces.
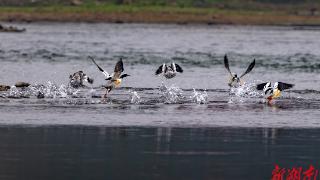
{"x":189,"y":126}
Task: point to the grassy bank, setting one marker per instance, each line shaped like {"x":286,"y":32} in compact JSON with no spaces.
{"x":158,"y":14}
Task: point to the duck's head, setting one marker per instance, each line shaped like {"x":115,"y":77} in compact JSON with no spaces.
{"x":275,"y":86}
{"x":235,"y":77}
{"x":88,"y":79}
{"x":124,"y":75}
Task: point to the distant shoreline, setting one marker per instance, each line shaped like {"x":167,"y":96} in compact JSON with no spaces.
{"x":164,"y":15}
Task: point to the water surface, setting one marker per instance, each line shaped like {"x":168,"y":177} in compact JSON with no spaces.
{"x":82,"y":152}
{"x":49,"y":52}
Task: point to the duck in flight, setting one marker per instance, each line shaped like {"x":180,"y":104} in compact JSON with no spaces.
{"x":115,"y":79}
{"x":169,"y":71}
{"x":272,"y":92}
{"x":76,"y":79}
{"x":236,"y":81}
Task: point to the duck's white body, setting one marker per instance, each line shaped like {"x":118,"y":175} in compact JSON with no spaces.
{"x":273,"y":92}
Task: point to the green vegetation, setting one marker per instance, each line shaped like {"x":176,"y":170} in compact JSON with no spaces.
{"x":264,"y":12}
{"x":103,"y":8}
{"x":225,"y":4}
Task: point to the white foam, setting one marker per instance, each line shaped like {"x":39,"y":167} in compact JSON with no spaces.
{"x":172,"y":93}
{"x":198,"y":97}
{"x":134,"y":97}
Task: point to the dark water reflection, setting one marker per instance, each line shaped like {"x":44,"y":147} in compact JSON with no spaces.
{"x":84,"y":152}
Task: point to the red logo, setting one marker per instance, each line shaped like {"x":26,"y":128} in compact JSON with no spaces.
{"x":295,"y":173}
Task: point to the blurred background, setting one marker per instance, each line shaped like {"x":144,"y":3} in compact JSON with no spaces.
{"x":180,"y":3}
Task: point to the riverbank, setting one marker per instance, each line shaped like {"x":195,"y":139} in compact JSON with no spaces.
{"x":156,"y":14}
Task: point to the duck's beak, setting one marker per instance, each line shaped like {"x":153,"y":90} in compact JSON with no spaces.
{"x":269,"y":100}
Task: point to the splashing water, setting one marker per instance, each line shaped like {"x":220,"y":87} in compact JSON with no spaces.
{"x":63,"y":91}
{"x":245,"y":90}
{"x":50,"y":90}
{"x":198,"y":97}
{"x":134,"y":97}
{"x":17,"y":93}
{"x":91,"y":93}
{"x":172,"y":94}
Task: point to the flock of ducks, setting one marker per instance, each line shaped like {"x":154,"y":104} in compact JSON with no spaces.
{"x":114,"y":80}
{"x":170,"y":71}
{"x":270,"y":92}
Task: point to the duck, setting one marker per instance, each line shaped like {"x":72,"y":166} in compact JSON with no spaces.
{"x":19,"y":84}
{"x":113,"y":80}
{"x":4,"y":87}
{"x":11,"y":29}
{"x":273,"y":92}
{"x":169,"y":71}
{"x":236,"y":81}
{"x":76,"y":79}
{"x":22,"y":84}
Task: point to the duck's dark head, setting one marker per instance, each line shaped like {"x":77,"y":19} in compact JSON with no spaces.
{"x":90,"y":80}
{"x":124,"y":75}
{"x":235,"y":78}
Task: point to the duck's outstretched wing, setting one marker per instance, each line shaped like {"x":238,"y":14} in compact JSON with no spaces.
{"x":118,"y":69}
{"x":226,"y":64}
{"x":178,"y":68}
{"x":261,"y":86}
{"x":161,"y":69}
{"x":105,"y":73}
{"x":119,"y":66}
{"x":283,"y":86}
{"x":249,"y":69}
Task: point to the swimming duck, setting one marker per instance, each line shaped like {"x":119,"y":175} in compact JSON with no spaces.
{"x":22,"y":84}
{"x":275,"y":91}
{"x":115,"y":79}
{"x":4,"y":88}
{"x":11,"y":29}
{"x":236,"y":81}
{"x":77,"y":78}
{"x":17,"y":84}
{"x":169,"y":71}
